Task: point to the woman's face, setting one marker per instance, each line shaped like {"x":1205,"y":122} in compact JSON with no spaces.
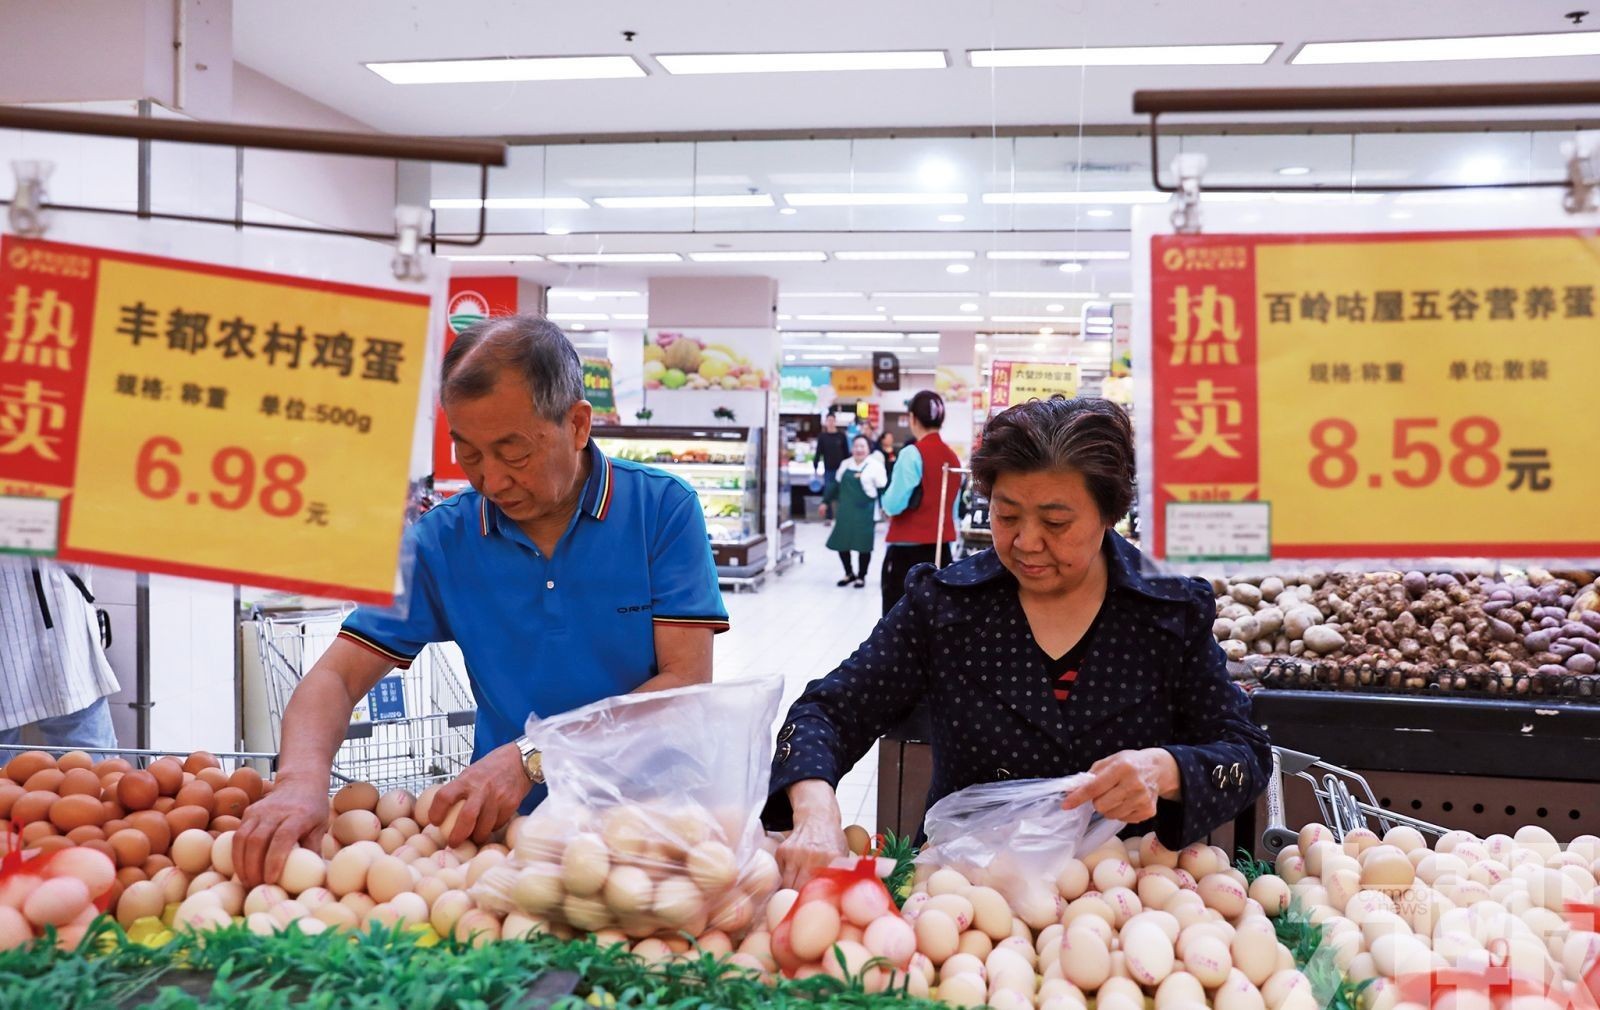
{"x":859,"y":448}
{"x":886,"y":442}
{"x":1046,"y":527}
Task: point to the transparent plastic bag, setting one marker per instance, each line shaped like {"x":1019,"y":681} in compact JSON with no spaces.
{"x":1014,"y":837}
{"x":652,"y":822}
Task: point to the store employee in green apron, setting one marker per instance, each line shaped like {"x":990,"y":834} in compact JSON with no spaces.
{"x":855,"y":491}
{"x":564,"y":575}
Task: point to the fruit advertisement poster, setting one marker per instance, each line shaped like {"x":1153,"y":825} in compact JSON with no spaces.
{"x":709,"y":359}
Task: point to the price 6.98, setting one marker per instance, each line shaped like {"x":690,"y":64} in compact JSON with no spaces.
{"x":236,"y":480}
{"x":1469,"y":458}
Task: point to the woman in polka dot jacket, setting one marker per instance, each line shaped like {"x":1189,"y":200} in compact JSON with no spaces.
{"x":1055,"y":652}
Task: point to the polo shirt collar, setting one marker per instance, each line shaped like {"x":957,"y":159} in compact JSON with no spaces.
{"x":596,"y":499}
{"x":1124,"y":570}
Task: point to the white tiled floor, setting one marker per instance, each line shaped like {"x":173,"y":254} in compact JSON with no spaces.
{"x":801,"y":625}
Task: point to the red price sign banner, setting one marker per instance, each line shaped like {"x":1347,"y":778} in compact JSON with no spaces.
{"x":207,"y":421}
{"x":1389,"y":395}
{"x":1013,"y":382}
{"x":472,"y":300}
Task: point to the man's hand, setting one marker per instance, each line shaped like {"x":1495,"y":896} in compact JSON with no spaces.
{"x":493,"y":787}
{"x":1127,"y":784}
{"x":817,"y":838}
{"x":295,"y":811}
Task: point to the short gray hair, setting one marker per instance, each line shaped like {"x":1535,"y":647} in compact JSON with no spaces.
{"x":531,"y":346}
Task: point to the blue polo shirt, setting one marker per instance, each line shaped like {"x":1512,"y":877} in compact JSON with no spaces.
{"x":547,"y":634}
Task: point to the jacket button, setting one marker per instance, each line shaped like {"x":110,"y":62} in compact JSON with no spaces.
{"x":786,"y":732}
{"x":1238,"y":774}
{"x":1220,"y":774}
{"x":1002,"y":774}
{"x":784,"y":752}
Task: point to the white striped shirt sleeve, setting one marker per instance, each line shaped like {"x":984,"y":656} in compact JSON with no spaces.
{"x":47,"y":672}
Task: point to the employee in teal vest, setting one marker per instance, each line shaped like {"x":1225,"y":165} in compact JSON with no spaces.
{"x":564,"y":575}
{"x":912,"y":499}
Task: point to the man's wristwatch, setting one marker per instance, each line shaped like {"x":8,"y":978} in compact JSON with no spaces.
{"x":532,"y":760}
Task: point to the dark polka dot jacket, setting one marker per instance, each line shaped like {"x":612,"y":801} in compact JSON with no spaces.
{"x":1152,"y":677}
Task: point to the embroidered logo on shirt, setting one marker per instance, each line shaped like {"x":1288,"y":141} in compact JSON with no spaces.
{"x":643,"y":608}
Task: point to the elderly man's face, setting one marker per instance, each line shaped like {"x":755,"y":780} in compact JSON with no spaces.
{"x":526,"y":465}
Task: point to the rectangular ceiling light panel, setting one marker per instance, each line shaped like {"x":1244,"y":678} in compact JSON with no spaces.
{"x":1247,"y":54}
{"x":1056,"y":254}
{"x":510,"y":203}
{"x":641,"y":257}
{"x":1477,"y":47}
{"x":683,"y":202}
{"x":1121,"y":197}
{"x":874,"y":199}
{"x":775,"y":256}
{"x":501,"y":71}
{"x":791,"y":63}
{"x":865,"y":255}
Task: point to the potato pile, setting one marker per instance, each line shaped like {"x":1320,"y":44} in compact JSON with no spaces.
{"x":1139,"y":920}
{"x":1537,"y":633}
{"x":1392,"y":907}
{"x":641,"y":869}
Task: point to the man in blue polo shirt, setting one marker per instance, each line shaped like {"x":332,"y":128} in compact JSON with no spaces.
{"x":565,"y":577}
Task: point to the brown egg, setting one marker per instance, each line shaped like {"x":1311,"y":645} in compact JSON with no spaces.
{"x":216,"y":778}
{"x":70,"y":812}
{"x":79,"y":781}
{"x":9,"y":793}
{"x":163,"y":804}
{"x":230,"y":801}
{"x":112,"y":809}
{"x":101,"y":846}
{"x":50,"y":843}
{"x":111,"y":765}
{"x":32,"y":807}
{"x":137,"y":790}
{"x":181,"y":819}
{"x":155,"y":864}
{"x":131,"y":875}
{"x":113,"y":825}
{"x":169,"y":775}
{"x":108,"y":785}
{"x":155,"y":827}
{"x":197,"y":794}
{"x":74,"y":759}
{"x":25,"y":765}
{"x":201,"y":759}
{"x":247,"y":779}
{"x":32,"y":833}
{"x":86,"y":833}
{"x":224,"y":822}
{"x":132,"y":847}
{"x":355,"y":796}
{"x":45,"y":779}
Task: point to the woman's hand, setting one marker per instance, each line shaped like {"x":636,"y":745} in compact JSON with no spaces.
{"x":818,"y":835}
{"x":1127,"y":784}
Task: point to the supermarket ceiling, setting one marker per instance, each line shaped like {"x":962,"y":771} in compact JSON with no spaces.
{"x":322,"y":49}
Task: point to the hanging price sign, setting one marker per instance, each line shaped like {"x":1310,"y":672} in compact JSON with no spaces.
{"x":219,"y":423}
{"x":1390,"y":395}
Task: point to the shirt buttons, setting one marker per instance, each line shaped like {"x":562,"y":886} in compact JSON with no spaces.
{"x":550,"y":585}
{"x":786,"y":732}
{"x":784,"y":752}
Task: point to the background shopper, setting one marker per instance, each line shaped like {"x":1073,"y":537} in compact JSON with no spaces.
{"x":859,"y":478}
{"x":887,"y":451}
{"x":912,"y":498}
{"x":53,"y":670}
{"x":833,"y":448}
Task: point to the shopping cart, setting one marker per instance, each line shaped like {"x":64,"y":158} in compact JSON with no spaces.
{"x":1344,"y":798}
{"x":414,"y":729}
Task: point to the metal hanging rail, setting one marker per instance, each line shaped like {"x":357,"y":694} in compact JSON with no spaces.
{"x":484,"y":154}
{"x":1240,"y":100}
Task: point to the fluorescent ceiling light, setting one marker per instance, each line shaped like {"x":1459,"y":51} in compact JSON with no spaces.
{"x":938,"y":319}
{"x":925,"y":294}
{"x":1026,"y":319}
{"x":1046,"y":295}
{"x":848,"y":255}
{"x":639,"y":257}
{"x":790,"y":63}
{"x":1071,"y":268}
{"x":777,"y":256}
{"x":969,"y":306}
{"x":840,"y":355}
{"x":822,"y":294}
{"x":1055,"y":307}
{"x":873,"y":199}
{"x":682,"y":202}
{"x":489,"y":258}
{"x":558,"y":230}
{"x":1472,"y":47}
{"x":846,"y":318}
{"x":865,"y":335}
{"x":499,"y":71}
{"x":630,"y":316}
{"x":592,"y":317}
{"x":787,"y":210}
{"x":1294,"y":170}
{"x":1075,"y":197}
{"x":1248,"y":54}
{"x":510,"y":203}
{"x":1046,"y":254}
{"x":1118,"y":294}
{"x":952,"y":218}
{"x":586,"y":294}
{"x":1099,"y":212}
{"x":957,"y":268}
{"x":579,"y":326}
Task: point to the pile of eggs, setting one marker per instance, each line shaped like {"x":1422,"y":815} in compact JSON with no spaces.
{"x":639,"y":869}
{"x":1391,"y":907}
{"x":58,"y":890}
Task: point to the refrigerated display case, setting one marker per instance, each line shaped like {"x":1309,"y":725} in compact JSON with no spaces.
{"x":723,"y":465}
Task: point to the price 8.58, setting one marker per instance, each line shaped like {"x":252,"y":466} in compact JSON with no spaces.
{"x":236,"y":479}
{"x":1469,"y":455}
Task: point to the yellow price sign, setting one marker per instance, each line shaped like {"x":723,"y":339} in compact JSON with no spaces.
{"x":1391,"y":395}
{"x":209,"y":421}
{"x":1013,"y":382}
{"x":852,"y":383}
